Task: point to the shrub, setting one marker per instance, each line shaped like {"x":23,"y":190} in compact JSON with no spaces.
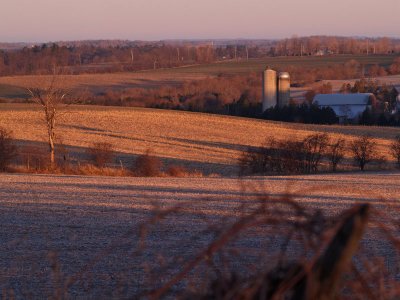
{"x":34,"y":158}
{"x":290,"y":157}
{"x":177,"y":171}
{"x":285,"y":157}
{"x":272,"y":157}
{"x":364,"y":151}
{"x":335,"y":153}
{"x":253,"y":160}
{"x":315,"y":146}
{"x":395,"y":150}
{"x":8,"y":150}
{"x":101,"y":153}
{"x":88,"y":169}
{"x":309,"y":114}
{"x":147,"y":165}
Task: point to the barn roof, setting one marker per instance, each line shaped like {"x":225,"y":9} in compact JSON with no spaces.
{"x":345,"y":105}
{"x":343,"y":99}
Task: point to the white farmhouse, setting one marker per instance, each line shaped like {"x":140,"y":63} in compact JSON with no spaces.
{"x":348,"y":107}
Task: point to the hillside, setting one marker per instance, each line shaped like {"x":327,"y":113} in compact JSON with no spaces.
{"x":12,"y":87}
{"x":210,"y":143}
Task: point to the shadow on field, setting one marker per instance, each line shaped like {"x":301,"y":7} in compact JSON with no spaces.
{"x":85,"y":128}
{"x":32,"y":150}
{"x":210,"y":198}
{"x":187,"y":144}
{"x":222,"y":145}
{"x":134,"y":84}
{"x":375,"y":132}
{"x":12,"y":92}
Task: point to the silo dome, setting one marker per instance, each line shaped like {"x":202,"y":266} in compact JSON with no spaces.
{"x":284,"y":75}
{"x":283,"y":89}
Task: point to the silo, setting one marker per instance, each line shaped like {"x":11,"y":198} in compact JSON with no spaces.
{"x":269,"y":89}
{"x":283,"y":89}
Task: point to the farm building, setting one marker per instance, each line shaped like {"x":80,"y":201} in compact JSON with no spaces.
{"x":348,"y":107}
{"x":276,"y":89}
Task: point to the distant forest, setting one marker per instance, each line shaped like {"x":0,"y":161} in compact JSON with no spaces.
{"x":116,"y":56}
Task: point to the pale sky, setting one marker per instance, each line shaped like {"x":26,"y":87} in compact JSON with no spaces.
{"x":55,"y":20}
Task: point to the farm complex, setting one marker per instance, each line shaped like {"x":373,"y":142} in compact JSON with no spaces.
{"x":187,"y":169}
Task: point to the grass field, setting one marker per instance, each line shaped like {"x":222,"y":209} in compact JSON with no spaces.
{"x":13,"y":87}
{"x":280,"y":63}
{"x":87,"y":228}
{"x":208,"y":143}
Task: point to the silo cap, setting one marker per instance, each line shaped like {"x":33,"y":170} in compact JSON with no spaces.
{"x":284,"y":75}
{"x":269,"y":69}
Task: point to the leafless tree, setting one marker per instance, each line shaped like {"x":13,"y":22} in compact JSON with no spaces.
{"x":285,"y":156}
{"x":364,"y":151}
{"x":314,"y":148}
{"x":395,"y":150}
{"x":51,"y":98}
{"x":335,"y":153}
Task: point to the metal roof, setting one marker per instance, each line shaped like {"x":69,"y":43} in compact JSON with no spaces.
{"x":345,"y":105}
{"x":342,"y":99}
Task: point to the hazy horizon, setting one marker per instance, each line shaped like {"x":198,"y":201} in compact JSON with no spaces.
{"x":151,"y":20}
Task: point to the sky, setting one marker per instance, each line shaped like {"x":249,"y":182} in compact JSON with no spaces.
{"x":56,"y":20}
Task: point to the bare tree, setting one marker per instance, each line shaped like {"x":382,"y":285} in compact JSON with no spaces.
{"x":314,"y":148}
{"x":364,"y":151}
{"x":50,"y":98}
{"x":395,"y":150}
{"x":335,"y":153}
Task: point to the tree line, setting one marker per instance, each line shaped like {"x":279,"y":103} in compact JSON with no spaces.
{"x":322,"y":45}
{"x":308,"y":155}
{"x":97,"y":59}
{"x":240,"y":95}
{"x":86,"y":57}
{"x":384,"y":109}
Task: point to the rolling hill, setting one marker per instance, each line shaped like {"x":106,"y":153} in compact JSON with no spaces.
{"x":209,"y":143}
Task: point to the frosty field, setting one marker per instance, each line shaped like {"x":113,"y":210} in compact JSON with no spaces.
{"x":54,"y":228}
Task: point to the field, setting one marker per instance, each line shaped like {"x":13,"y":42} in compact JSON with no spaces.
{"x":13,"y":87}
{"x":103,"y":237}
{"x":393,"y":80}
{"x":280,"y":63}
{"x":205,"y":142}
{"x":85,"y":230}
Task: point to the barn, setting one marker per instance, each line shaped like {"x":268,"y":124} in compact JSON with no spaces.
{"x":348,"y":107}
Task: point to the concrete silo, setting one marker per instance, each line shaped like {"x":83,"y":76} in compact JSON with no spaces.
{"x":283,"y":89}
{"x":269,"y":89}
